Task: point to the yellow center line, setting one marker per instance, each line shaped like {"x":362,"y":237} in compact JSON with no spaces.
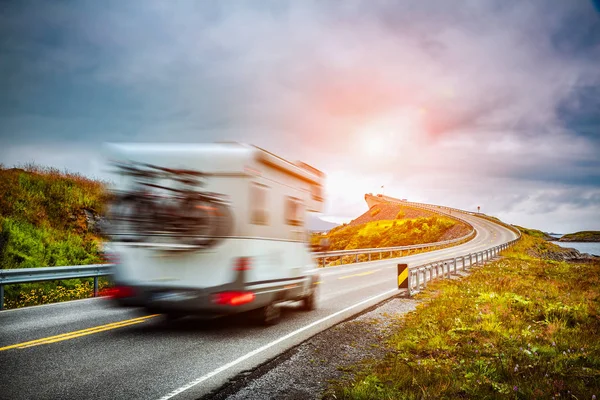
{"x":361,"y":274}
{"x":80,"y":333}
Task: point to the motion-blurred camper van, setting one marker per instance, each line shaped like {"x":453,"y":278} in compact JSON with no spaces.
{"x":211,"y":228}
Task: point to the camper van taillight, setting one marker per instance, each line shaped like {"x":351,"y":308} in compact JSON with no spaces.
{"x":233,"y":298}
{"x":243,"y":264}
{"x":121,"y":292}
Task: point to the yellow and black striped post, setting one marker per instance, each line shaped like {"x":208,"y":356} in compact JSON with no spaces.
{"x":403,"y":276}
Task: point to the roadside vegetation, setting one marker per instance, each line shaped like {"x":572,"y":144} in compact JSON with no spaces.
{"x":536,"y":233}
{"x":47,"y":218}
{"x":524,"y":326}
{"x":388,"y":233}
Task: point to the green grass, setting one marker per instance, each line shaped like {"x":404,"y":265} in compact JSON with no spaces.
{"x":388,"y":233}
{"x":43,"y":223}
{"x":521,"y":327}
{"x":535,"y":233}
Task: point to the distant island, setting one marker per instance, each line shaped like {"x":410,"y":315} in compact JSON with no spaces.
{"x":583,"y":236}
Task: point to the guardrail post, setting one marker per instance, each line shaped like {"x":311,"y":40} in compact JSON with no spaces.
{"x":380,"y":255}
{"x":95,"y":286}
{"x":455,"y":262}
{"x":356,"y":257}
{"x":323,"y":261}
{"x":369,"y":256}
{"x":417,"y":276}
{"x":1,"y":297}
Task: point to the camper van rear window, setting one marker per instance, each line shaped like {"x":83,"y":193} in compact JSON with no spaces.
{"x":258,"y":204}
{"x":294,"y":211}
{"x":317,"y":192}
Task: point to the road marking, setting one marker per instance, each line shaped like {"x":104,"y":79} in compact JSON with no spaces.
{"x":80,"y":333}
{"x":269,"y":345}
{"x":360,"y":274}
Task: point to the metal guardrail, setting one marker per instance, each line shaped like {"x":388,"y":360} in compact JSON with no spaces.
{"x":323,"y":255}
{"x":29,"y":275}
{"x":419,"y":276}
{"x":432,"y":207}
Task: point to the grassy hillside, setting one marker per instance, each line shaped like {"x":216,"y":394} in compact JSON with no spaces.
{"x":524,"y":327}
{"x":583,"y":236}
{"x":400,"y":232}
{"x":47,"y":219}
{"x":43,"y":219}
{"x":391,"y":211}
{"x":536,"y":233}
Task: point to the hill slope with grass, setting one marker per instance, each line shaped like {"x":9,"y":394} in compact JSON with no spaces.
{"x":48,"y":218}
{"x":390,"y":211}
{"x":396,"y":232}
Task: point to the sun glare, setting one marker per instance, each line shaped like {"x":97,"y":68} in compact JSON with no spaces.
{"x":374,"y":145}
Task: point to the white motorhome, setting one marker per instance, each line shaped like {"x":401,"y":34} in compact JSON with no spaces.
{"x":211,"y":228}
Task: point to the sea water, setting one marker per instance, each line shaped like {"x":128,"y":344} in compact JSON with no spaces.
{"x":583,"y":247}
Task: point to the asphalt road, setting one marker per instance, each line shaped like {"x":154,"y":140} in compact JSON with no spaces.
{"x":88,"y":349}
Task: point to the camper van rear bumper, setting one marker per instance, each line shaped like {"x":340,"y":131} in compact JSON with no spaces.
{"x":188,"y":300}
{"x":204,"y":301}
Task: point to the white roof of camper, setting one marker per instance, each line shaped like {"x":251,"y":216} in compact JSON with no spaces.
{"x":210,"y":158}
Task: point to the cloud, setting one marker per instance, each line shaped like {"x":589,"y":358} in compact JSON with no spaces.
{"x":434,"y":101}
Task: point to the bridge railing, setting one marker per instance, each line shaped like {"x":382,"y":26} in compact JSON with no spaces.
{"x":418,"y":276}
{"x":322,"y":256}
{"x":432,"y":207}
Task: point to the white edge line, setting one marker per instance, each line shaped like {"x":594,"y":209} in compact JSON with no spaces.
{"x":267,"y":346}
{"x":51,"y":304}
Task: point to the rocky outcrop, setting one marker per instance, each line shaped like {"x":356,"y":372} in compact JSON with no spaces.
{"x":585,"y":236}
{"x":561,"y":254}
{"x":88,"y":221}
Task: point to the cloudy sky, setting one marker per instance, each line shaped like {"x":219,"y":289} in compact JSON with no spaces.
{"x":491,"y":103}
